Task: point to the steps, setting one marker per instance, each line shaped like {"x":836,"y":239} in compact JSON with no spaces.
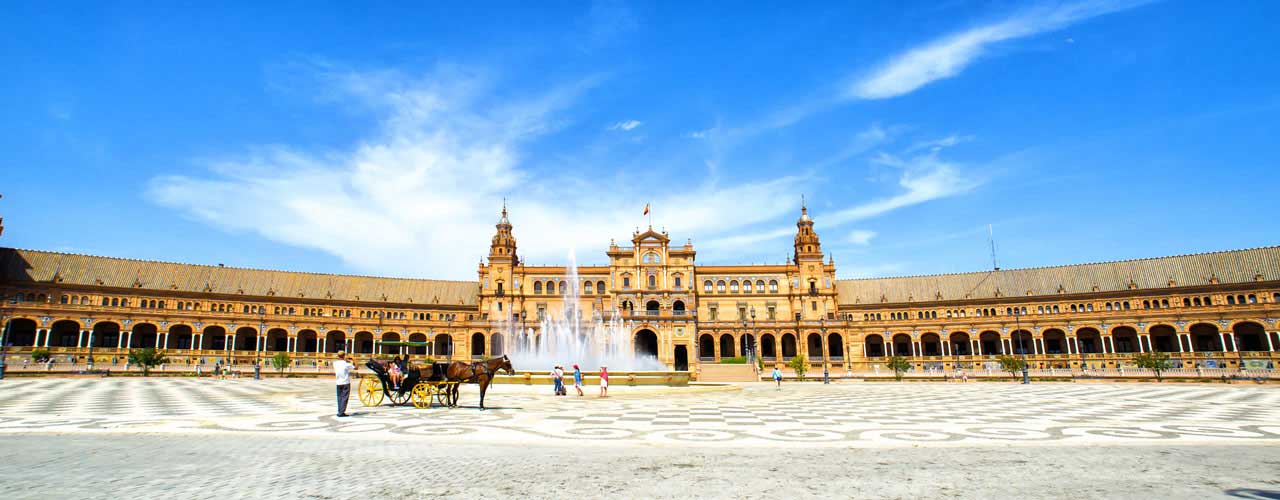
{"x":710,"y":372}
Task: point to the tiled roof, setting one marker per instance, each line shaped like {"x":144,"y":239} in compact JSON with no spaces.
{"x":1235,"y":266}
{"x":37,"y":266}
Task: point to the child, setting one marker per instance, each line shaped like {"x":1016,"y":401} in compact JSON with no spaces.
{"x":394,"y":372}
{"x":604,"y":381}
{"x":777,"y":377}
{"x":577,"y":380}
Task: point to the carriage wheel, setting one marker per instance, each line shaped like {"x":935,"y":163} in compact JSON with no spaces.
{"x":399,"y":398}
{"x":421,"y":395}
{"x":370,"y":391}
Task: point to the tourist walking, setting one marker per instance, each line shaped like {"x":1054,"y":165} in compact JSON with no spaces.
{"x":217,"y":370}
{"x":577,"y":380}
{"x":342,"y":379}
{"x":777,"y":377}
{"x":557,"y":376}
{"x":604,"y":381}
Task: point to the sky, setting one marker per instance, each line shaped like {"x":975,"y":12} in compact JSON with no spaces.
{"x":382,"y":139}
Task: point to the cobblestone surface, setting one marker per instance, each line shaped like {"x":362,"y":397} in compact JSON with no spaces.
{"x":203,"y":438}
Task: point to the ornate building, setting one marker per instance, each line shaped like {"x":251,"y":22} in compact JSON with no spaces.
{"x":1216,"y":309}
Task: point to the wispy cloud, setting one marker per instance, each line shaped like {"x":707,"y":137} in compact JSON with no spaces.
{"x":861,"y":237}
{"x":863,"y":141}
{"x":949,"y":55}
{"x":937,"y":145}
{"x":627,"y":125}
{"x":420,"y":196}
{"x":924,"y":178}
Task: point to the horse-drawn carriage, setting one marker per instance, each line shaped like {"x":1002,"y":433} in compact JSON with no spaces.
{"x":421,"y":384}
{"x":437,"y":381}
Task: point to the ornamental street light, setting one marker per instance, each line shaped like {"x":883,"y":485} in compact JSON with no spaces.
{"x":1017,"y":315}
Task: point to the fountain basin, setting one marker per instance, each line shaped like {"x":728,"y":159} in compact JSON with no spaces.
{"x":592,"y":379}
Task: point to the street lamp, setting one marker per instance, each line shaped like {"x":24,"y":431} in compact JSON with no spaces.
{"x":751,"y":358}
{"x":4,"y":342}
{"x":822,"y":325}
{"x":1017,"y":315}
{"x":89,"y":365}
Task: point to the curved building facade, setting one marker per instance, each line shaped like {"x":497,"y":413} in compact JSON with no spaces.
{"x":1215,"y":309}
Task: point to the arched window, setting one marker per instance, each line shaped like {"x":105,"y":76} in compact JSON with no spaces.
{"x":587,"y":288}
{"x":64,"y":300}
{"x":759,"y":286}
{"x":1253,"y":299}
{"x":564,"y":288}
{"x":653,"y":281}
{"x":1164,"y":303}
{"x":733,"y":286}
{"x":537,"y":287}
{"x":706,"y":286}
{"x":600,"y":286}
{"x":720,"y":286}
{"x":773,"y":286}
{"x":1231,"y":301}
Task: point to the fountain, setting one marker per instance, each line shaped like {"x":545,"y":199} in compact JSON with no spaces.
{"x":570,"y":338}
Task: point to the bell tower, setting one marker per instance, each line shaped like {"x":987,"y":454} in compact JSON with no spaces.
{"x":503,"y":248}
{"x":808,"y":247}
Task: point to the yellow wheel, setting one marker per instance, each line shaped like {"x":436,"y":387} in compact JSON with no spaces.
{"x":370,"y":390}
{"x":421,"y":395}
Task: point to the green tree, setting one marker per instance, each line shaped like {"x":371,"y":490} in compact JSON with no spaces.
{"x":280,"y":361}
{"x":1011,"y":364}
{"x":39,"y":355}
{"x":147,"y":358}
{"x":899,"y":365}
{"x":1156,"y":361}
{"x":799,"y":364}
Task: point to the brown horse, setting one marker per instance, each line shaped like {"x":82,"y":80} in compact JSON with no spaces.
{"x":480,"y":372}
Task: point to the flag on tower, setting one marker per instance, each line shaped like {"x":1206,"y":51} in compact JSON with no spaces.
{"x":646,"y":209}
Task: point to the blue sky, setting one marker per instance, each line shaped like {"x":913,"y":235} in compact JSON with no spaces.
{"x":382,"y":140}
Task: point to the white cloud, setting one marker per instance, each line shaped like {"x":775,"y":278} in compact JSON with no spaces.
{"x":419,"y":197}
{"x":939,"y":144}
{"x":626,"y":126}
{"x":947,"y":56}
{"x":863,"y":141}
{"x":861,"y":237}
{"x":924,"y":178}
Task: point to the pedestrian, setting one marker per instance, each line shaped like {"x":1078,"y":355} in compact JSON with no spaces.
{"x":826,"y":376}
{"x":577,"y":380}
{"x":557,"y":378}
{"x":604,"y":381}
{"x":198,"y":371}
{"x":217,"y":369}
{"x":777,"y":377}
{"x":342,"y":378}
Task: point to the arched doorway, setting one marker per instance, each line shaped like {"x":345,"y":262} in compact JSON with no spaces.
{"x":64,"y":333}
{"x":788,"y":346}
{"x":875,"y":346}
{"x":277,"y":340}
{"x":335,"y":340}
{"x":477,"y":345}
{"x":1090,"y":341}
{"x":495,"y":345}
{"x":308,"y":341}
{"x":706,"y":347}
{"x":814,"y":344}
{"x":1055,"y":341}
{"x":22,"y":332}
{"x":768,"y":348}
{"x":835,"y":346}
{"x":418,"y":350}
{"x":990,"y":344}
{"x":1164,"y":339}
{"x":180,"y":337}
{"x":1022,"y":342}
{"x":443,"y":345}
{"x":364,"y":342}
{"x":1205,"y":337}
{"x":646,"y":344}
{"x":677,"y":308}
{"x":106,"y":334}
{"x":651,"y":307}
{"x":215,"y":338}
{"x":931,"y":344}
{"x":747,"y":344}
{"x":1250,"y":336}
{"x":246,"y":339}
{"x":959,"y":344}
{"x":681,"y":358}
{"x":1125,"y":339}
{"x":902,"y":345}
{"x":726,"y":346}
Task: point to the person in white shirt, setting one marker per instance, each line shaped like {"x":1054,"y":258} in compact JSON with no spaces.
{"x":342,"y":374}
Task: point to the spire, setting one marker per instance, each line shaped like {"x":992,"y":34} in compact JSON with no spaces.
{"x":504,"y":244}
{"x":807,"y":244}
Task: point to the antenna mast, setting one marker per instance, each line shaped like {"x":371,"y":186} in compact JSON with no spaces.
{"x":991,"y":238}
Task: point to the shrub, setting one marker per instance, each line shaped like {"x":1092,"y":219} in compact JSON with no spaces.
{"x":899,"y":365}
{"x":147,"y":358}
{"x":1156,"y":361}
{"x":1011,"y":364}
{"x":800,"y":365}
{"x":39,"y":355}
{"x":280,"y":361}
{"x":736,"y":360}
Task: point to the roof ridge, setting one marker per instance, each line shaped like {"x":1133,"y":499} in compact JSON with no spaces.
{"x":1082,"y":264}
{"x":150,"y":261}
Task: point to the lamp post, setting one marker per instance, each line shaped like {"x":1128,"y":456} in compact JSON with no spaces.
{"x":4,"y":342}
{"x":448,"y":330}
{"x":89,"y":365}
{"x":523,"y":316}
{"x":751,"y":347}
{"x":822,"y":325}
{"x":260,"y":343}
{"x":1017,"y":316}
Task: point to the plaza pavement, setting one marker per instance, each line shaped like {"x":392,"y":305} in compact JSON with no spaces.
{"x":204,"y":438}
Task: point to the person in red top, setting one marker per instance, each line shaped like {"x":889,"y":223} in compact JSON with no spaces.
{"x":604,"y":381}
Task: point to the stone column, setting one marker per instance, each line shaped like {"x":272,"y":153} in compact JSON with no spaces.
{"x":1107,"y":347}
{"x":196,"y":340}
{"x":1143,"y":340}
{"x":1269,"y":344}
{"x":1191,"y":345}
{"x":1224,"y":338}
{"x":80,"y":338}
{"x":944,"y":347}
